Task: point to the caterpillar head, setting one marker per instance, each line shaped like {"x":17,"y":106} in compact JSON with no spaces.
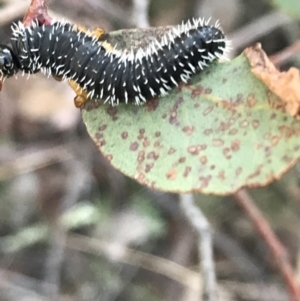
{"x":8,"y":65}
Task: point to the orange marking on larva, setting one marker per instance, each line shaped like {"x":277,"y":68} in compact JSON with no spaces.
{"x":97,"y":32}
{"x":81,"y":96}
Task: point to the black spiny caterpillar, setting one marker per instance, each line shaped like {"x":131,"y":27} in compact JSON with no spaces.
{"x":100,"y":71}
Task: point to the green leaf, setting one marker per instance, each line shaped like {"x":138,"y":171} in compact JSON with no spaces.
{"x":214,"y":136}
{"x":291,"y":7}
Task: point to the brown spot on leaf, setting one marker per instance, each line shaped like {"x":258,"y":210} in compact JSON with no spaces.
{"x":208,"y":132}
{"x":231,"y":121}
{"x":103,"y":127}
{"x":152,"y":104}
{"x":288,"y":131}
{"x":267,"y":136}
{"x":287,"y":158}
{"x":208,"y":91}
{"x":256,"y":173}
{"x":178,"y":102}
{"x":208,"y":110}
{"x":255,"y":123}
{"x":235,"y":145}
{"x":218,"y":142}
{"x":187,"y":171}
{"x":141,"y":156}
{"x":100,"y":143}
{"x":197,"y":105}
{"x":232,"y":132}
{"x":223,"y":126}
{"x":91,"y":105}
{"x":238,"y":171}
{"x":134,"y":146}
{"x":157,"y":144}
{"x":251,"y":101}
{"x":275,"y":140}
{"x":171,"y":174}
{"x":124,"y":135}
{"x":229,"y":105}
{"x":173,"y":118}
{"x":203,"y":159}
{"x":140,"y":177}
{"x":226,"y":153}
{"x":146,"y":143}
{"x":149,"y":167}
{"x":153,"y":156}
{"x":204,"y":181}
{"x":182,"y":160}
{"x":98,"y":136}
{"x":195,"y":149}
{"x":141,"y":134}
{"x":189,"y":130}
{"x":239,"y":98}
{"x":221,"y":175}
{"x":268,"y":151}
{"x":198,"y":90}
{"x":171,"y":151}
{"x":109,"y":157}
{"x":112,"y":112}
{"x":157,"y":134}
{"x":244,"y":123}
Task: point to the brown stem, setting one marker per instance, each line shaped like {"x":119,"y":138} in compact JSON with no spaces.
{"x":278,"y":251}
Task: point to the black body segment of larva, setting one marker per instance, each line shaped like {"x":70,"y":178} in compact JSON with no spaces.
{"x":103,"y":72}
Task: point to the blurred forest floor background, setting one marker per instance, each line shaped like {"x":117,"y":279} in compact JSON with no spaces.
{"x":55,"y":184}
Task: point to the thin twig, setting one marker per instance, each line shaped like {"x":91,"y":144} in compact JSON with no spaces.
{"x":258,"y":28}
{"x":140,"y":12}
{"x":56,"y":254}
{"x":262,"y":291}
{"x":33,"y":161}
{"x":245,"y":265}
{"x":201,"y":225}
{"x":126,"y":255}
{"x":281,"y":57}
{"x":15,"y":286}
{"x":278,"y":251}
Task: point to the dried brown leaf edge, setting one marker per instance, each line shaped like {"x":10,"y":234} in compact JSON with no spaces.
{"x":286,"y":84}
